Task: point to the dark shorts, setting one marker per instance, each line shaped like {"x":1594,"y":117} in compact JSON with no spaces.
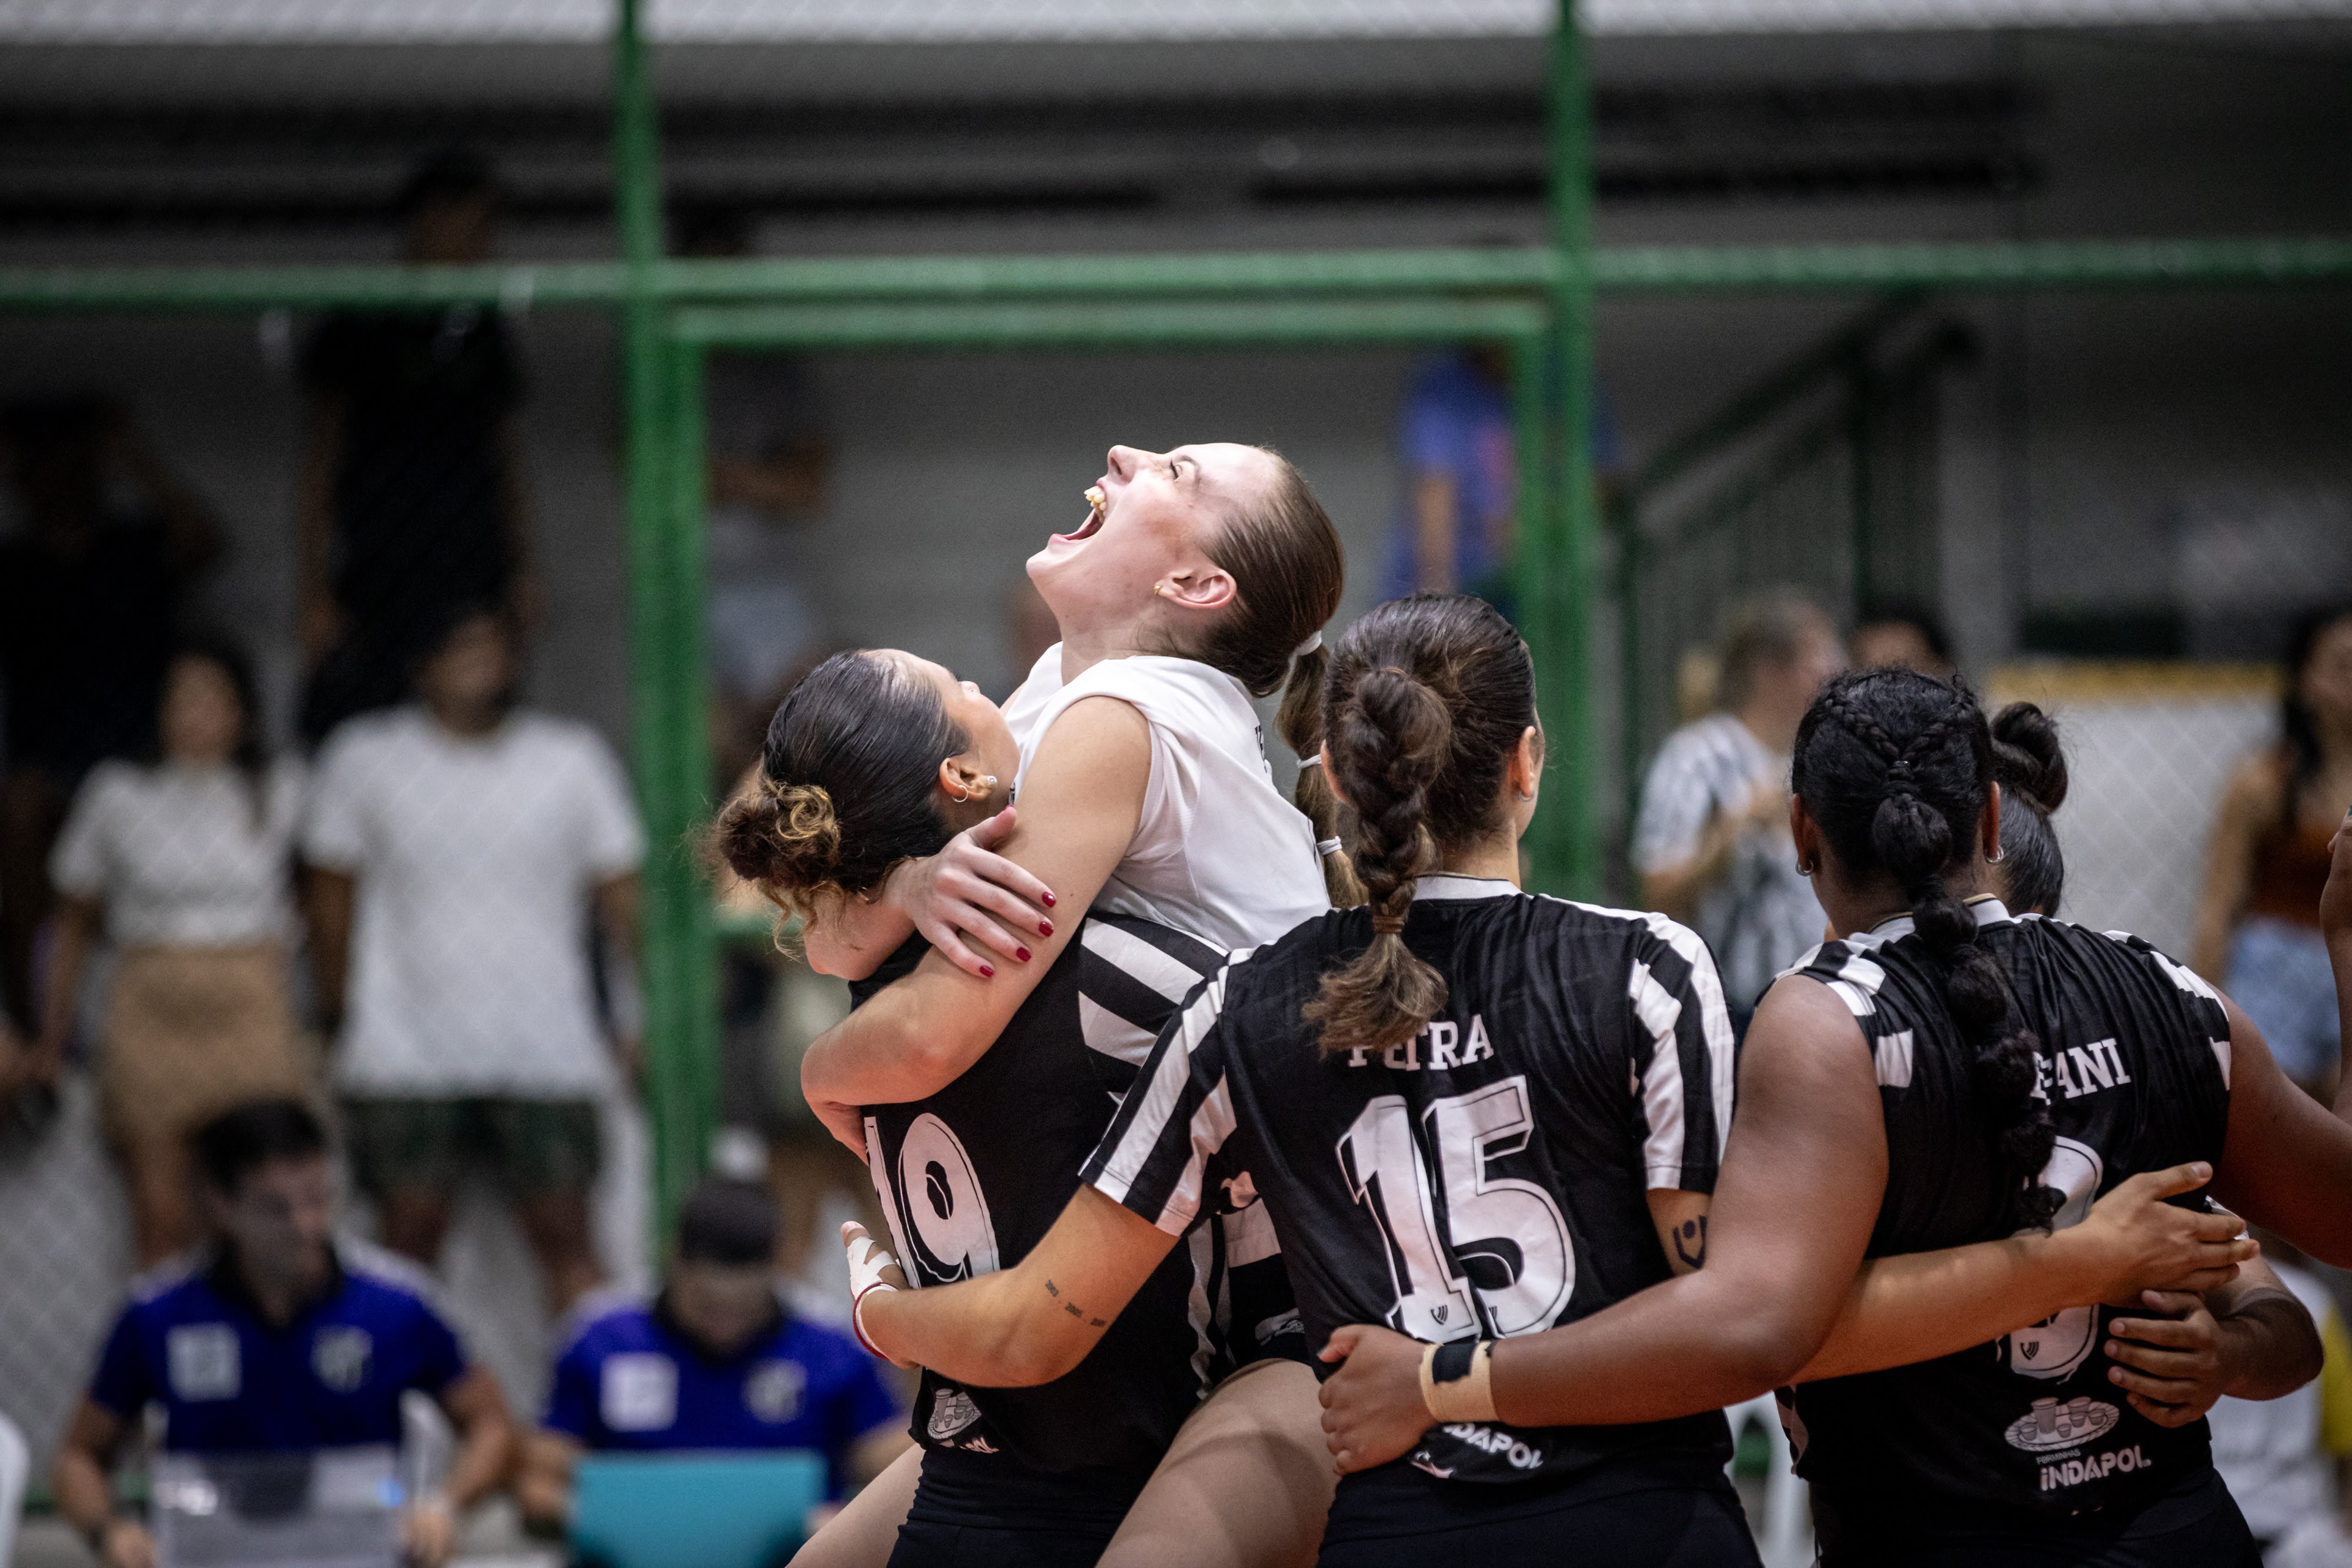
{"x":531,"y":1145}
{"x":987,"y":1511}
{"x":2194,"y":1525}
{"x":1662,"y":1512}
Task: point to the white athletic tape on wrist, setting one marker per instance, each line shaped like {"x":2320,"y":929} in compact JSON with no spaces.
{"x":867,"y":1260}
{"x":1467,"y":1396}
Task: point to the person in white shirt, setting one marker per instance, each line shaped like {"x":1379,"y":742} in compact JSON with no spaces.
{"x":457,"y":848}
{"x":185,"y":865}
{"x":1711,"y":841}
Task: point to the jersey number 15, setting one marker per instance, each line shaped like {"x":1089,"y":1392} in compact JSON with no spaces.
{"x":1499,"y":1236}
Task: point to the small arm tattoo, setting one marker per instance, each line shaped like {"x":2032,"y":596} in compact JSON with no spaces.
{"x":1074,"y":1309}
{"x":1690,"y":1242}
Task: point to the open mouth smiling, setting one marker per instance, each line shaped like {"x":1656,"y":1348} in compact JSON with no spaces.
{"x":1095,"y":507}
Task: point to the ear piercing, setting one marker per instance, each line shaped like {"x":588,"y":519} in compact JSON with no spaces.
{"x":987,"y":787}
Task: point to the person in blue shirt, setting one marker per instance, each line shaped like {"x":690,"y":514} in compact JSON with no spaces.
{"x":714,"y":1361}
{"x":278,"y":1337}
{"x":1461,"y":478}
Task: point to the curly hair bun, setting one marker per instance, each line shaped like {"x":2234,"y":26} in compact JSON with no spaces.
{"x":2027,"y":757}
{"x":783,"y":837}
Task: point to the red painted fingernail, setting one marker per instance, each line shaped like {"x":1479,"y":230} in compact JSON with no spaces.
{"x":1045,"y":928}
{"x":1022,"y":954}
{"x":988,"y":971}
{"x":1049,"y":901}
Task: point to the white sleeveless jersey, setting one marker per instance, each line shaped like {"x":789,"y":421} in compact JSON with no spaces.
{"x":1217,"y":853}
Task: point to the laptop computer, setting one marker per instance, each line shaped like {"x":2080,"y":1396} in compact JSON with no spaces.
{"x":330,"y":1507}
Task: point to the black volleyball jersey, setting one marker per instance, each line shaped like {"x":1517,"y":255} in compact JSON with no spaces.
{"x":971,"y":1177}
{"x":2136,"y":1070}
{"x":1487,"y":1177}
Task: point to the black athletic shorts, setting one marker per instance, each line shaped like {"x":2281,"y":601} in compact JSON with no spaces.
{"x":2195,"y":1524}
{"x":1660,"y":1511}
{"x":989,"y":1511}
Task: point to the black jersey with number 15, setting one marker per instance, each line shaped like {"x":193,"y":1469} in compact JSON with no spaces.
{"x":2136,"y":1071}
{"x":1487,"y":1177}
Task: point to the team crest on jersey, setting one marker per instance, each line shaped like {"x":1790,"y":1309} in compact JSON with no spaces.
{"x":773,"y":1392}
{"x":203,"y":1363}
{"x":2050,"y":1426}
{"x":340,"y":1357}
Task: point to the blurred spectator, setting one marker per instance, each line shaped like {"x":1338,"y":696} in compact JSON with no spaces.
{"x":1711,"y":842}
{"x":410,"y":498}
{"x":186,"y":862}
{"x":713,"y":1363}
{"x":473,"y":842}
{"x":1899,"y":635}
{"x":281,"y":1338}
{"x":770,"y":461}
{"x":2285,"y":1460}
{"x":1459,"y":441}
{"x":91,"y":593}
{"x":2258,"y":918}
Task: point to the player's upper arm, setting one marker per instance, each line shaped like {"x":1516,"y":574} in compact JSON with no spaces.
{"x":2286,"y":1162}
{"x":1080,"y":801}
{"x":1805,"y":1166}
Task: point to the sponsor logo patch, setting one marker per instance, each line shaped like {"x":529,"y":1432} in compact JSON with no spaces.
{"x":340,"y":1357}
{"x":2050,"y":1426}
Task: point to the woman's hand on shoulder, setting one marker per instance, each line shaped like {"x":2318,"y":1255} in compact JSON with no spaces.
{"x":1373,"y":1406}
{"x":2134,"y":1240}
{"x":968,"y":891}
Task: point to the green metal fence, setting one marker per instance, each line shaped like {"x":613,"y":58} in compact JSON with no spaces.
{"x":1539,"y":300}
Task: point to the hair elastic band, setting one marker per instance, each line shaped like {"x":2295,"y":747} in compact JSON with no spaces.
{"x":1308,"y":646}
{"x":1312,"y":759}
{"x":1387,"y":924}
{"x":1326,"y":846}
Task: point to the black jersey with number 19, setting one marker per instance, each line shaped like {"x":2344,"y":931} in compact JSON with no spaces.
{"x":1487,"y":1177}
{"x":971,"y":1177}
{"x":2136,"y":1071}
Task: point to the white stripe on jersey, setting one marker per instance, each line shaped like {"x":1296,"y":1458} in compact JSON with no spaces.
{"x":1161,"y":1095}
{"x":1714,"y":1012}
{"x":1249,"y":1237}
{"x":1661,"y":1083}
{"x":1890,"y":1057}
{"x":1212,"y":1124}
{"x":1111,"y":1035}
{"x":1140,"y":959}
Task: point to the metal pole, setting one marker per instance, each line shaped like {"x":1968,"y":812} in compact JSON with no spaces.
{"x":1559,"y":611}
{"x":655,"y":676}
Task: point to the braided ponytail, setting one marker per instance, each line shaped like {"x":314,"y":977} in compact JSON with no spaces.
{"x":1894,"y":766}
{"x":1423,"y":708}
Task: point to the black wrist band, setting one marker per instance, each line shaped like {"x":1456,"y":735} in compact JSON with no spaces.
{"x":1451,"y":1362}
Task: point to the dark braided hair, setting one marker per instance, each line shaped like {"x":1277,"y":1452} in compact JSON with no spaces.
{"x":1426,"y":698}
{"x":2031,"y":767}
{"x":1894,"y":766}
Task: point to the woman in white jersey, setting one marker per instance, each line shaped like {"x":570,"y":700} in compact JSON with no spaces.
{"x":1201,"y":577}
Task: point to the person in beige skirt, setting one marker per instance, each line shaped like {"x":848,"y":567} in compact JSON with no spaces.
{"x":184,"y":864}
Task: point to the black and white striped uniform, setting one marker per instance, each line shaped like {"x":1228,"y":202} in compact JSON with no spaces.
{"x":1487,"y":1177}
{"x":972,"y":1176}
{"x":2136,"y":1071}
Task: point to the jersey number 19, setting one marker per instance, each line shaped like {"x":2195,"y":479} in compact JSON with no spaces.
{"x":1500,"y":1237}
